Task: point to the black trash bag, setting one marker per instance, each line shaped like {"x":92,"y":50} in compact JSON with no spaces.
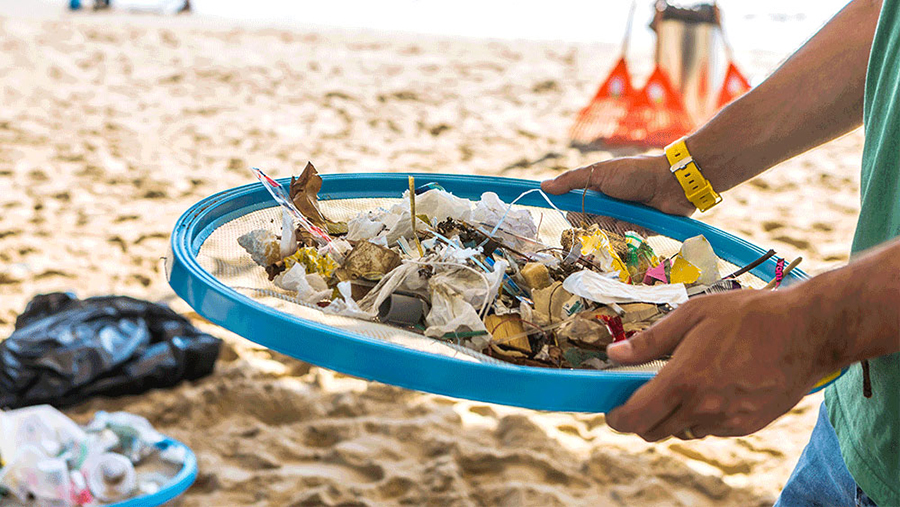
{"x":65,"y":350}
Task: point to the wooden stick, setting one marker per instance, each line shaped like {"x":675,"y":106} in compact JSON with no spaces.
{"x":787,"y":270}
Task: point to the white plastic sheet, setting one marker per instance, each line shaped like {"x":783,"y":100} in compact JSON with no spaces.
{"x":490,"y":210}
{"x":595,"y":287}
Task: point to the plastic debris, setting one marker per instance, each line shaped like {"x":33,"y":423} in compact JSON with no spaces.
{"x":640,"y":256}
{"x":367,"y":260}
{"x":402,"y":310}
{"x":587,"y":331}
{"x":451,"y":313}
{"x":595,"y":287}
{"x":536,"y":275}
{"x":474,"y":273}
{"x":598,"y":247}
{"x":657,"y":274}
{"x":682,"y":271}
{"x":549,"y":303}
{"x":724,"y":285}
{"x":136,"y":438}
{"x":47,"y":459}
{"x":111,"y":477}
{"x":312,"y":262}
{"x":288,"y":244}
{"x":346,"y":305}
{"x":439,"y":205}
{"x":508,"y":330}
{"x":364,"y":226}
{"x":310,"y":287}
{"x":491,"y":211}
{"x":698,"y":252}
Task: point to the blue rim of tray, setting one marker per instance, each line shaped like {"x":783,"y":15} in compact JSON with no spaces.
{"x":373,"y":359}
{"x":174,"y":488}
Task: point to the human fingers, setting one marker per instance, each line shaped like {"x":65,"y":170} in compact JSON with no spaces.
{"x":657,"y":340}
{"x":569,"y":180}
{"x":650,"y":405}
{"x":697,"y":417}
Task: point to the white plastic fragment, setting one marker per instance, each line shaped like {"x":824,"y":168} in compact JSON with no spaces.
{"x":699,"y":252}
{"x":440,"y":205}
{"x":490,"y":210}
{"x":346,"y":305}
{"x":310,"y":288}
{"x":288,"y":234}
{"x":450,"y":313}
{"x":364,"y":226}
{"x":598,"y":288}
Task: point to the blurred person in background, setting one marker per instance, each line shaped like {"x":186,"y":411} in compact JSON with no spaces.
{"x":162,"y":6}
{"x":733,"y":372}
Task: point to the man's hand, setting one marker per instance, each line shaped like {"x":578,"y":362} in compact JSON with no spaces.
{"x":641,"y":179}
{"x":732,"y":371}
{"x":793,"y":110}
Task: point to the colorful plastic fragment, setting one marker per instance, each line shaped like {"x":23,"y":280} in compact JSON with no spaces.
{"x":312,"y":261}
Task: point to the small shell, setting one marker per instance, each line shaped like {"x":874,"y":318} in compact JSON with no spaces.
{"x":262,"y":245}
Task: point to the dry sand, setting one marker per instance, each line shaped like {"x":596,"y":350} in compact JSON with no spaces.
{"x":111,"y":127}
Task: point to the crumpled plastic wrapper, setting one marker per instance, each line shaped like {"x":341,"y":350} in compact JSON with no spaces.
{"x":437,"y":204}
{"x":440,"y":205}
{"x":345,"y":305}
{"x":598,"y":247}
{"x":312,"y":261}
{"x":364,"y":226}
{"x":490,"y":210}
{"x":34,"y":426}
{"x":310,"y":288}
{"x":450,"y":313}
{"x":407,"y":278}
{"x":470,"y":285}
{"x":600,"y":289}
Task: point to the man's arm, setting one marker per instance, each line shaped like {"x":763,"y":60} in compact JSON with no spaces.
{"x":734,"y":374}
{"x":815,"y":96}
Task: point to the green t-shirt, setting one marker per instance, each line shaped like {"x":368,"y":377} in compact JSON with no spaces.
{"x":869,"y":429}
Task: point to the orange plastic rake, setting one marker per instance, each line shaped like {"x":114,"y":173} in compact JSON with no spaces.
{"x":735,"y":84}
{"x":599,"y":119}
{"x":656,"y":116}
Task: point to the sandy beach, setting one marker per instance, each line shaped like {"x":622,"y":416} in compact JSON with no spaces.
{"x":112,"y":126}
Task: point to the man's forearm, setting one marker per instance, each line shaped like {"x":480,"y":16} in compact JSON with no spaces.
{"x":814,"y":97}
{"x":855,"y":309}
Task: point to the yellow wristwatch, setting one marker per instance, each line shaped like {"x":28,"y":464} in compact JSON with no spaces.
{"x":697,"y":189}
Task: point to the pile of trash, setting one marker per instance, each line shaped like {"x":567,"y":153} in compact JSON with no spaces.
{"x":477,"y":274}
{"x":48,"y":459}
